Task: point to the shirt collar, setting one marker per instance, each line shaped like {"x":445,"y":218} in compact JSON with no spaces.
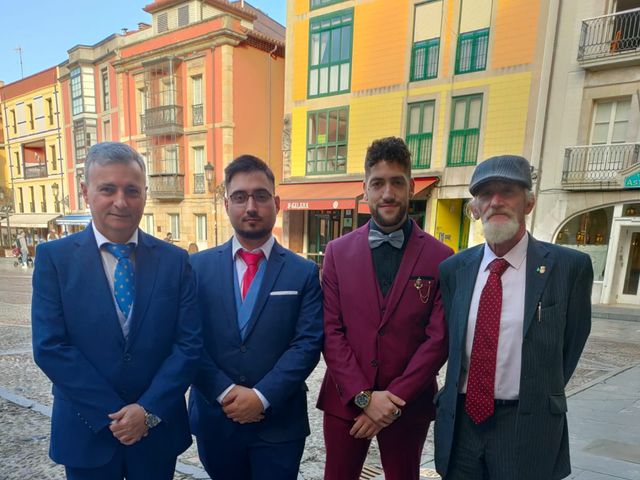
{"x":515,"y":256}
{"x":101,"y":239}
{"x":266,"y":247}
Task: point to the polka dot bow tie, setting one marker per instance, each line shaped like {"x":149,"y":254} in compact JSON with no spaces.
{"x":124,"y":286}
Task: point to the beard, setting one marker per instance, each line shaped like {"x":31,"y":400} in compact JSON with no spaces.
{"x":254,"y":234}
{"x":389,"y":222}
{"x":500,"y":233}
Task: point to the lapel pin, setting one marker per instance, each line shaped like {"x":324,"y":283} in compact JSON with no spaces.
{"x":541,"y":269}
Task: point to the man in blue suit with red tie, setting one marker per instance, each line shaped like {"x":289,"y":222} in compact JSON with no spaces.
{"x":261,"y":309}
{"x":115,"y":328}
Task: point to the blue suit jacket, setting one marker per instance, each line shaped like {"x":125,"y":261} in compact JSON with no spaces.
{"x":558,"y":283}
{"x":78,"y":343}
{"x":281,"y":347}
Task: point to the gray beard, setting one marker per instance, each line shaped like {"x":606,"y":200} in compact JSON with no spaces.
{"x":500,"y":233}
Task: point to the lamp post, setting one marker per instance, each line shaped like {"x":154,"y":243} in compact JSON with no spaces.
{"x":218,"y":193}
{"x":6,"y":208}
{"x":55,"y":189}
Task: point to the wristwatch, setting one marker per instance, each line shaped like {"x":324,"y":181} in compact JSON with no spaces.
{"x":151,"y":420}
{"x":362,"y":399}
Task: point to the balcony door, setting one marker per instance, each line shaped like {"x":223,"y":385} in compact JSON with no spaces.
{"x":629,"y":264}
{"x":608,"y":133}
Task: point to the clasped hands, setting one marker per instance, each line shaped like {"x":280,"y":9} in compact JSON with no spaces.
{"x":384,"y":408}
{"x":242,"y":405}
{"x":128,"y":424}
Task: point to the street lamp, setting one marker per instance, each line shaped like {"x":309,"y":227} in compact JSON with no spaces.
{"x":55,"y":188}
{"x":218,"y":193}
{"x":6,"y":208}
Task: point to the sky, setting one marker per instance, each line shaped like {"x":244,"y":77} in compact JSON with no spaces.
{"x":46,"y":29}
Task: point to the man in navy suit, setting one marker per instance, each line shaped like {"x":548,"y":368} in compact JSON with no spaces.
{"x":518,"y":312}
{"x":261,"y":308}
{"x":115,"y":328}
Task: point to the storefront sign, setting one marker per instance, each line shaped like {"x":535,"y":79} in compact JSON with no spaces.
{"x":632,"y":181}
{"x":297,"y":206}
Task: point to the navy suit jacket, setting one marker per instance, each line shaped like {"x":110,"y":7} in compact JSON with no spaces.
{"x":79,"y":344}
{"x":557,"y":322}
{"x":281,"y":347}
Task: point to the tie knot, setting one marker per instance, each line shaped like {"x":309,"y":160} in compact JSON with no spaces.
{"x":119,"y":250}
{"x":498,"y":266}
{"x":251,"y":258}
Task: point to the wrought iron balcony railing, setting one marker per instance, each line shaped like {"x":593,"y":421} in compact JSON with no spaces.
{"x":162,"y":120}
{"x":35,"y":171}
{"x":197,"y":114}
{"x":610,"y":36}
{"x":597,"y":166}
{"x":199,"y":185}
{"x":166,"y":186}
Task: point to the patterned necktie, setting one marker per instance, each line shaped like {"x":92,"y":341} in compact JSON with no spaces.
{"x":377,"y":238}
{"x":252,"y":260}
{"x":482,"y":371}
{"x":124,"y":286}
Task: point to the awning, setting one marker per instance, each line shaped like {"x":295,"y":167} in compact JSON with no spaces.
{"x":319,"y":196}
{"x":30,"y":220}
{"x":421,"y":184}
{"x":77,"y":219}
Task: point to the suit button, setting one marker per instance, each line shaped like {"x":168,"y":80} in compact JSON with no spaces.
{"x":374,"y":363}
{"x":127,"y":357}
{"x":383,"y":309}
{"x":242,"y":378}
{"x":381,"y":332}
{"x":243,"y":348}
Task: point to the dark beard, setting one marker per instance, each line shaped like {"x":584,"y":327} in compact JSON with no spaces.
{"x":397,"y":220}
{"x":254,"y":234}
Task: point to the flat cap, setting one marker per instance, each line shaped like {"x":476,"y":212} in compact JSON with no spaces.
{"x":506,"y":168}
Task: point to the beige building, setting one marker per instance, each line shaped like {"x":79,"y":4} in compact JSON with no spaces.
{"x":589,"y":168}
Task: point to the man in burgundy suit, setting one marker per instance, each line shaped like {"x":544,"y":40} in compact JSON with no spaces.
{"x":385,"y":336}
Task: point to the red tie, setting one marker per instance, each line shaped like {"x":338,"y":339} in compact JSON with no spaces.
{"x":252,"y":260}
{"x":482,"y":371}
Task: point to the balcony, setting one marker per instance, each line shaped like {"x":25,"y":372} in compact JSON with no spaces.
{"x":610,"y":40}
{"x":166,"y":186}
{"x":197,"y":117}
{"x":597,"y":167}
{"x":163,"y":120}
{"x":198,"y":183}
{"x":35,"y":171}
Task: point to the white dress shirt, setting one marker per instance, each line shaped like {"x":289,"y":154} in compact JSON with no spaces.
{"x":241,"y":268}
{"x":109,"y":262}
{"x":509,"y":358}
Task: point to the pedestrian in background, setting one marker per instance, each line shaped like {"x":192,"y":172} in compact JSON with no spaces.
{"x":518,"y":312}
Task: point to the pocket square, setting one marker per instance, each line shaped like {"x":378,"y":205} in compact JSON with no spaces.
{"x":284,"y":292}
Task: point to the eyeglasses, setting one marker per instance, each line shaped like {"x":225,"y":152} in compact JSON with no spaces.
{"x":241,"y":197}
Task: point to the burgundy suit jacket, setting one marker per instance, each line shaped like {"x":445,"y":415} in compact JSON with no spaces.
{"x":399,"y":348}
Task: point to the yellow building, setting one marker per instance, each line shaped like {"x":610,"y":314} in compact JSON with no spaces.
{"x":460,"y":80}
{"x":35,"y":187}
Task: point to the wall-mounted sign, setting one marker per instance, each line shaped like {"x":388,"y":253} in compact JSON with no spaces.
{"x":632,"y":181}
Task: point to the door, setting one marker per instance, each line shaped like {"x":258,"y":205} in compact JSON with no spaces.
{"x":629,"y":263}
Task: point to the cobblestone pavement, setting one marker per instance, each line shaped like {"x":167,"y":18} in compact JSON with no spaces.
{"x":24,"y":433}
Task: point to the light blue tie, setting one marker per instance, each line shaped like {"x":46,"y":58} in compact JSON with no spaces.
{"x":124,"y":286}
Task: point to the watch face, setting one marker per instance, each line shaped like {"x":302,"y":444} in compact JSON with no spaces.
{"x":151,"y":420}
{"x":362,"y":399}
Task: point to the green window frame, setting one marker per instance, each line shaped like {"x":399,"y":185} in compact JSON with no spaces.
{"x":322,"y":3}
{"x":424,"y":59}
{"x":327,"y":133}
{"x":464,"y":136}
{"x":471,"y":54}
{"x":420,"y":132}
{"x":330,"y":45}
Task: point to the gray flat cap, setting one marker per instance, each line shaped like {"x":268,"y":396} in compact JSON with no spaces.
{"x":509,"y":168}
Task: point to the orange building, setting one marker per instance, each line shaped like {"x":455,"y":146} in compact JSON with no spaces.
{"x":198,"y":86}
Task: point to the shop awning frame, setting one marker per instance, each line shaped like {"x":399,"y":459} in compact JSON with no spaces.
{"x":74,"y":220}
{"x":320,"y":195}
{"x":29,"y":220}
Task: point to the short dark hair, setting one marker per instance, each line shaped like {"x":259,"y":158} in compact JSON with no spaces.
{"x":247,"y":164}
{"x":389,"y":149}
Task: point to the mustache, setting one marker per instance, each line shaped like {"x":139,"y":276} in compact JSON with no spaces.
{"x":491,"y":212}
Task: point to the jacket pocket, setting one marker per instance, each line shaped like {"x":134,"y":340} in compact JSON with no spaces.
{"x":558,"y":404}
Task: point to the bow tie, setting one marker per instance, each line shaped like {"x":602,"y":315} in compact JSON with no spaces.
{"x":377,"y":238}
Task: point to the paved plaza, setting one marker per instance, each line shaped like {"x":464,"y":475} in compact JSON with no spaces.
{"x":604,"y":403}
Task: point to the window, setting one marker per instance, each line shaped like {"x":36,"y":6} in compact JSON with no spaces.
{"x":201,"y":228}
{"x":32,"y":202}
{"x":322,"y":3}
{"x":17,"y":157}
{"x":148,"y":223}
{"x":327,"y":141}
{"x":76,"y":92}
{"x":30,"y":116}
{"x":420,"y":133}
{"x":163,"y":23}
{"x":465,"y":130}
{"x":106,"y":102}
{"x":53,"y":159}
{"x":330,"y":54}
{"x":85,"y":133}
{"x":183,"y":15}
{"x":427,"y":23}
{"x":49,"y":105}
{"x":21,"y":196}
{"x":142,"y":101}
{"x":14,"y":123}
{"x":43,"y":194}
{"x":174,"y":225}
{"x":196,"y":106}
{"x":610,"y":122}
{"x":106,"y":131}
{"x":170,"y":159}
{"x":198,"y":170}
{"x":471,"y":55}
{"x":424,"y":59}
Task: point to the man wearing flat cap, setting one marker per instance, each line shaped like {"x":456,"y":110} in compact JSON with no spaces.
{"x":518,"y":313}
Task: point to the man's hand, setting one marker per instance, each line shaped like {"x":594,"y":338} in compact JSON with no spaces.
{"x":384,"y":408}
{"x":364,"y":427}
{"x":127,"y":424}
{"x":242,"y":405}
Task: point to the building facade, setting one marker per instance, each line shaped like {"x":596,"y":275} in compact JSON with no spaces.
{"x":460,"y":81}
{"x":589,"y":189}
{"x":34,"y":191}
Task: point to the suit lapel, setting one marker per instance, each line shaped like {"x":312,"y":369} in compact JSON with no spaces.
{"x":99,"y":298}
{"x":146,"y":268}
{"x":465,"y":284}
{"x":536,"y":279}
{"x":274,"y":266}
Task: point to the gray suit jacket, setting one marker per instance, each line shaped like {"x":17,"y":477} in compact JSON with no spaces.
{"x":552,"y":344}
